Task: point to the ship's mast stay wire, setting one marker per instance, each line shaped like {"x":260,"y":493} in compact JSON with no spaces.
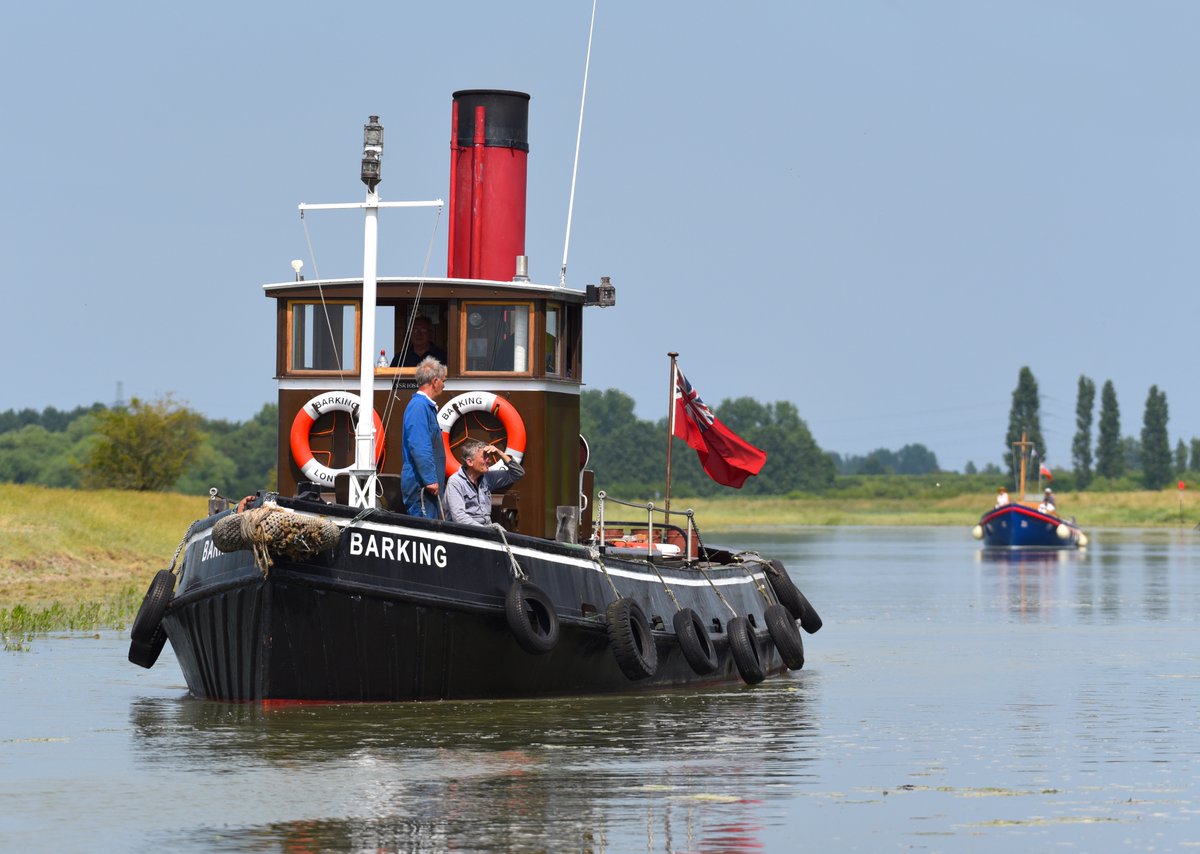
{"x":562,"y":276}
{"x":387,"y":412}
{"x":312,"y":256}
{"x":412,"y":316}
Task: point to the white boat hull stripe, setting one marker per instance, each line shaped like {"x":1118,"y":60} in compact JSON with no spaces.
{"x":670,"y":574}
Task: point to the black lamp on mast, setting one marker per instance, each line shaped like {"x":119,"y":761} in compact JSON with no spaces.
{"x":372,"y":153}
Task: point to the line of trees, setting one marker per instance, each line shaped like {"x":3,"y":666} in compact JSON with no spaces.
{"x":911,"y":459}
{"x":1119,"y":462}
{"x":160,"y":445}
{"x":147,"y":445}
{"x":629,"y":455}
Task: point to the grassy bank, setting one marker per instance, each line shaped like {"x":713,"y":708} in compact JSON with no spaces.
{"x":1092,"y":509}
{"x":76,"y":559}
{"x":71,"y":559}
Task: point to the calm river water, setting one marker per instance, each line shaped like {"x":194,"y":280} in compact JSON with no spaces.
{"x":950,"y":703}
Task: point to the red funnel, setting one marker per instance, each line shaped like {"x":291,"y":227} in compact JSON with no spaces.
{"x":489,"y":147}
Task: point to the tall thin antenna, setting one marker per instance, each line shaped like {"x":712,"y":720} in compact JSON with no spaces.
{"x":562,"y":276}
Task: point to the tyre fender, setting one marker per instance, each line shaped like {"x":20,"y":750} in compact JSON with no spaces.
{"x":632,"y":642}
{"x":531,"y":617}
{"x":745,"y":651}
{"x":785,"y":635}
{"x":145,"y":653}
{"x":790,"y":597}
{"x":154,"y":606}
{"x":693,"y":638}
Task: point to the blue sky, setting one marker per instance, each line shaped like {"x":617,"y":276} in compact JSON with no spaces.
{"x":879,"y":211}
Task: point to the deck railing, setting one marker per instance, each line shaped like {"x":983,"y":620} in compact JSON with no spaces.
{"x":635,"y":534}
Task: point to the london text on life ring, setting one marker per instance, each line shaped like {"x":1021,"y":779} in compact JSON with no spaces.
{"x":330,"y":401}
{"x":482,"y":401}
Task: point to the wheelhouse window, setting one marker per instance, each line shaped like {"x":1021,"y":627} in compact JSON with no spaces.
{"x":553,"y":340}
{"x":425,"y":329}
{"x":571,"y":338}
{"x":323,"y":336}
{"x":497,"y":337}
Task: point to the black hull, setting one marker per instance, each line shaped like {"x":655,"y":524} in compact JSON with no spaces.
{"x":424,"y":618}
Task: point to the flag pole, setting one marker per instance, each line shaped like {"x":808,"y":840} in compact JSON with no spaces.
{"x":670,"y":433}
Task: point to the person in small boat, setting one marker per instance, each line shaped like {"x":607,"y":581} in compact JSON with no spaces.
{"x":424,"y":456}
{"x":420,"y":345}
{"x":1048,"y":504}
{"x":469,"y":490}
{"x":1001,"y":497}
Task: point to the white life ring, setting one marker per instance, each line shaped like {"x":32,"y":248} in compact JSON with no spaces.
{"x":330,"y":401}
{"x":483,"y":401}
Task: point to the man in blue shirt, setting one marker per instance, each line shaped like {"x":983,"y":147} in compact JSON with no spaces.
{"x":423,"y":454}
{"x":469,"y":490}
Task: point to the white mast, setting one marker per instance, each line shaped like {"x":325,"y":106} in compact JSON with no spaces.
{"x":363,"y":476}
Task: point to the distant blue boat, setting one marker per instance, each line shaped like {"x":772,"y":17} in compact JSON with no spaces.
{"x":1018,"y":526}
{"x":1012,"y":525}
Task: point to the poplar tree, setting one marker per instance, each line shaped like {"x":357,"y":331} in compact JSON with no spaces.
{"x":1195,"y":464}
{"x":1023,"y":417}
{"x":1110,"y":462}
{"x":1081,"y":447}
{"x":1181,"y":457}
{"x":1156,"y":446}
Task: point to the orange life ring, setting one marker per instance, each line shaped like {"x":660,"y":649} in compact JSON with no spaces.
{"x":330,"y":401}
{"x":483,"y":401}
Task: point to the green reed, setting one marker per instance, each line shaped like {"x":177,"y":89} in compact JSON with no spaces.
{"x":20,"y":624}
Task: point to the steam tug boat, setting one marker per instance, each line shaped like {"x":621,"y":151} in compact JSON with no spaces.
{"x":325,"y":590}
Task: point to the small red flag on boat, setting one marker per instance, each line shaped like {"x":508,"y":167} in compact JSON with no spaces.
{"x":1045,"y":472}
{"x":726,"y":457}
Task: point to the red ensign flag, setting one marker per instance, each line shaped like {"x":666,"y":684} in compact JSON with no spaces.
{"x":726,"y":457}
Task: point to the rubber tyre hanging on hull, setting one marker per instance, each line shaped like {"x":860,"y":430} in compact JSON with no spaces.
{"x":745,"y":651}
{"x":145,"y":653}
{"x":786,"y":637}
{"x":693,"y":638}
{"x":531,"y":617}
{"x":154,"y":606}
{"x":632,"y":643}
{"x":790,"y":597}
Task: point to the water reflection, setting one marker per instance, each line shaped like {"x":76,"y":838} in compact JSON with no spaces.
{"x":673,"y":771}
{"x":951,"y":702}
{"x":1028,"y":579}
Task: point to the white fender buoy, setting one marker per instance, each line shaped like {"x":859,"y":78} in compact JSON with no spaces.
{"x":977,"y":532}
{"x":1082,"y":539}
{"x":1063,"y":531}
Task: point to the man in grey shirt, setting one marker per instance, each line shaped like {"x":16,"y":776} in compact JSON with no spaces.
{"x":469,"y":490}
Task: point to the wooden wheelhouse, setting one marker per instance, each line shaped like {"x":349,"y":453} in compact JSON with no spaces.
{"x":517,"y":340}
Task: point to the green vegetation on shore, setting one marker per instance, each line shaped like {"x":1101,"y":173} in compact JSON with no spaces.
{"x":81,"y":559}
{"x":1092,"y":509}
